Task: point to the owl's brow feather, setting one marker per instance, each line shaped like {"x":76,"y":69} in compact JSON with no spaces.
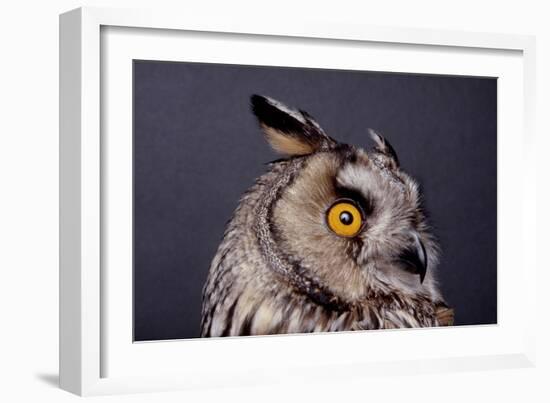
{"x":365,"y":201}
{"x":377,"y":160}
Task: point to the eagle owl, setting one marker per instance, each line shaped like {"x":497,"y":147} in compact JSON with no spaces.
{"x":331,"y":238}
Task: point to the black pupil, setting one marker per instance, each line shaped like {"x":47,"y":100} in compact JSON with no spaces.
{"x":346,"y":218}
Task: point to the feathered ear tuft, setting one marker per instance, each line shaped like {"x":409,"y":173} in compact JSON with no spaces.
{"x":290,"y":132}
{"x":383,"y":146}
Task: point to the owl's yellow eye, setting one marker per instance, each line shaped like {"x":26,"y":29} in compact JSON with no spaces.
{"x":344,"y":218}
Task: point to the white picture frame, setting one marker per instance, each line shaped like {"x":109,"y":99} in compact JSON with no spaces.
{"x":97,"y":355}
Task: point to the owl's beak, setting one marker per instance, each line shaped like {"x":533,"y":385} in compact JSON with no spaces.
{"x":414,"y":257}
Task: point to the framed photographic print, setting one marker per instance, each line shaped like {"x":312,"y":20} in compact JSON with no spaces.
{"x":239,"y":195}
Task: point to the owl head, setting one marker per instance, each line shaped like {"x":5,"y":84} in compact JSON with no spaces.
{"x":351,"y":217}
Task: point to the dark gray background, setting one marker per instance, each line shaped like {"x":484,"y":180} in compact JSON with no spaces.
{"x":197,"y":148}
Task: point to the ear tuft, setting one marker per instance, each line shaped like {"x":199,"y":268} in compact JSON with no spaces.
{"x":383,"y":146}
{"x":290,"y":132}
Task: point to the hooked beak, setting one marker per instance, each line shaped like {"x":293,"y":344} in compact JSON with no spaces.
{"x":414,"y":257}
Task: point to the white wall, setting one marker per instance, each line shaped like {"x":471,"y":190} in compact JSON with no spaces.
{"x":29,"y":201}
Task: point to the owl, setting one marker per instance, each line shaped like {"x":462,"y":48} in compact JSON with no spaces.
{"x":331,"y":238}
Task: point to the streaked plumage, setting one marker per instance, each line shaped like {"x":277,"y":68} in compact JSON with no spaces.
{"x":283,"y":268}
